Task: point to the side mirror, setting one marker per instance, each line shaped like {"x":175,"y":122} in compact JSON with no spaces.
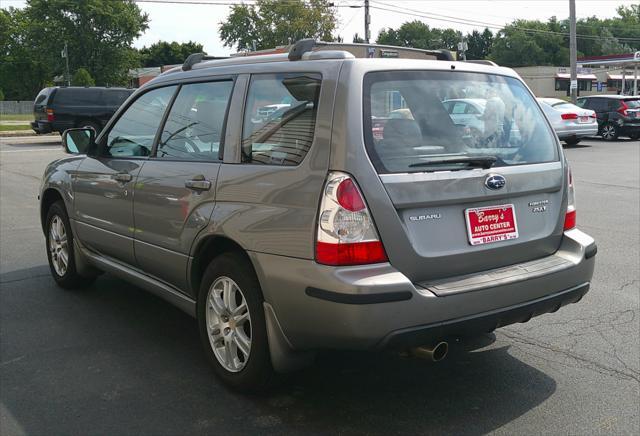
{"x":78,"y":141}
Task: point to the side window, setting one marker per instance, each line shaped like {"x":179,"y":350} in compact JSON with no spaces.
{"x":458,"y":108}
{"x":471,"y":109}
{"x":115,"y":97}
{"x":193,"y":130}
{"x":135,"y":130}
{"x":280,"y":118}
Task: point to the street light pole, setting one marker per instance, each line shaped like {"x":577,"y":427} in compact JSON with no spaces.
{"x":367,"y":22}
{"x":573,"y":51}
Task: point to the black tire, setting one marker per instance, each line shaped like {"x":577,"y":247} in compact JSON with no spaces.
{"x":610,"y":132}
{"x":572,"y":141}
{"x":635,"y":136}
{"x":257,"y":373}
{"x":88,"y":123}
{"x":69,"y":279}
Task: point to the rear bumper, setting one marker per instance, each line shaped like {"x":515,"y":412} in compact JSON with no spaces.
{"x":577,"y":131}
{"x":482,"y":322}
{"x":376,"y":306}
{"x":41,"y":127}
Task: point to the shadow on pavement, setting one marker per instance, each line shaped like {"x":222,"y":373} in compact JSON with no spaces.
{"x":114,"y":359}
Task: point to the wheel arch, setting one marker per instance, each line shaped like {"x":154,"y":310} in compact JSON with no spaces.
{"x":207,"y":249}
{"x":48,"y":197}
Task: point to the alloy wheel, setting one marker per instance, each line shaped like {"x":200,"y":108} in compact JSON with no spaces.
{"x":228,"y":324}
{"x":58,"y":246}
{"x":608,"y":132}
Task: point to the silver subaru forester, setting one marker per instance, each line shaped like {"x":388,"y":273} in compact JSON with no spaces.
{"x":324,"y":198}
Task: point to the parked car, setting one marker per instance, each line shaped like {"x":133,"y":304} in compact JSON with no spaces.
{"x":304,"y":232}
{"x":467,"y":112}
{"x":59,"y":108}
{"x":571,"y":122}
{"x":618,"y":115}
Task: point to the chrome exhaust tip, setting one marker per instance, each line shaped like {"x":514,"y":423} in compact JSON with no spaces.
{"x":433,"y":353}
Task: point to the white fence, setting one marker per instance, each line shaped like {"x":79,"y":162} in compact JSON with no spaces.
{"x":16,"y":107}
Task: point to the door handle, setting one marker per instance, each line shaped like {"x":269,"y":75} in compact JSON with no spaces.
{"x":198,"y":183}
{"x":122,"y":177}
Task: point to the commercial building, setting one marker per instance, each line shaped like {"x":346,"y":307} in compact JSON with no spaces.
{"x":613,"y":74}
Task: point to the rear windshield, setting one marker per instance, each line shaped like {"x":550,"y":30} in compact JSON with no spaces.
{"x":418,"y":121}
{"x":42,"y":96}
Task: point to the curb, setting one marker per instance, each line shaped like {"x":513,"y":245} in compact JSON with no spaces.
{"x":17,"y":133}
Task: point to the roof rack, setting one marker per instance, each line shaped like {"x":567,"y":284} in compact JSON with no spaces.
{"x":482,"y":62}
{"x":195,"y":58}
{"x":306,"y":45}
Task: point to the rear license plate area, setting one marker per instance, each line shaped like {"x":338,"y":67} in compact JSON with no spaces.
{"x":486,"y":225}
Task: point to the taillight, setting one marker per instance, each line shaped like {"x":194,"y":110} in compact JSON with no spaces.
{"x":623,"y":109}
{"x":569,"y":116}
{"x":50,"y":116}
{"x":347,"y":234}
{"x":570,"y":215}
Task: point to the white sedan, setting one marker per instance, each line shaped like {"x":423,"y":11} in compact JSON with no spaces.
{"x":570,"y":122}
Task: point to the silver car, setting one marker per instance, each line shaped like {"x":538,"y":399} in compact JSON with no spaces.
{"x":302,"y":230}
{"x":571,"y":122}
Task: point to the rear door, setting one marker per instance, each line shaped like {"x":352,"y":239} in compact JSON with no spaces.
{"x":438,"y":211}
{"x":175,"y":191}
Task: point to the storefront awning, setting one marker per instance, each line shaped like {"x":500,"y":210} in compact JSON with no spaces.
{"x":580,"y":76}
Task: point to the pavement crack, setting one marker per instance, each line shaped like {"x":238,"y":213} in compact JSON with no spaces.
{"x":589,"y":363}
{"x":3,"y":282}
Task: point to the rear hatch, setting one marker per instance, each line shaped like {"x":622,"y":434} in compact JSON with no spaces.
{"x":43,"y":99}
{"x":467,"y":200}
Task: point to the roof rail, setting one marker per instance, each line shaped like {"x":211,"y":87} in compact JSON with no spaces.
{"x":195,"y":58}
{"x":306,"y":45}
{"x":482,"y":62}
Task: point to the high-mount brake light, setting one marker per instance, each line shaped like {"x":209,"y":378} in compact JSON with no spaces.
{"x":570,"y":215}
{"x":347,"y":234}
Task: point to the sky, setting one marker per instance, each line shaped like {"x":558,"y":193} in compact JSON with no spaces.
{"x":200,"y":22}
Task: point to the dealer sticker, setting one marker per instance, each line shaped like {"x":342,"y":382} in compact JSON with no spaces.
{"x":490,"y":224}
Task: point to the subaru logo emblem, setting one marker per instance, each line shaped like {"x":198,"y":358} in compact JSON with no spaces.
{"x":495,"y":181}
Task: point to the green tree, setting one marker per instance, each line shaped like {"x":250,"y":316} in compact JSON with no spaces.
{"x":99,"y":35}
{"x":357,"y":39}
{"x":271,"y":23}
{"x":479,"y":44}
{"x":417,"y":34}
{"x":82,"y":78}
{"x":1,"y":95}
{"x":530,"y":42}
{"x":168,"y":53}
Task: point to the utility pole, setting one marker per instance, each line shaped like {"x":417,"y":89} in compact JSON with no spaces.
{"x":65,"y":55}
{"x":573,"y":52}
{"x":462,"y":47}
{"x":367,"y":22}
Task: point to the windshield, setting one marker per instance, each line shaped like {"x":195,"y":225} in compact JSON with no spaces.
{"x":436,"y":120}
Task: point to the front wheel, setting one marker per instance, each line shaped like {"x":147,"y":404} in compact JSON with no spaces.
{"x":60,"y":249}
{"x":232,"y":323}
{"x":609,"y":132}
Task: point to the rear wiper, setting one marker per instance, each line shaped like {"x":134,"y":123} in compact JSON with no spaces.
{"x":484,"y":162}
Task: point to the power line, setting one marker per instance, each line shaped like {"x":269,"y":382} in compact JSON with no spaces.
{"x":458,"y":20}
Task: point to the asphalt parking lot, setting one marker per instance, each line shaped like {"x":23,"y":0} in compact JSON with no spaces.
{"x":116,"y":360}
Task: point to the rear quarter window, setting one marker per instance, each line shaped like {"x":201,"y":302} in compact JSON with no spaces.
{"x":280,"y":118}
{"x":78,"y":97}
